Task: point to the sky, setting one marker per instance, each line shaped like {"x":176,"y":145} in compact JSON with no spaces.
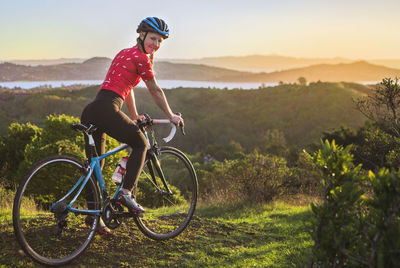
{"x":51,"y":29}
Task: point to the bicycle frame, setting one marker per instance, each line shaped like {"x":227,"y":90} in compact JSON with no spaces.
{"x":94,"y":166}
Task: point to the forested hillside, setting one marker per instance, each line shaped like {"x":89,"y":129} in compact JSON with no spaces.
{"x":297,"y":114}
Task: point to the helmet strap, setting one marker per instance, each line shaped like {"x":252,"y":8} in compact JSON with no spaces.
{"x":142,"y":42}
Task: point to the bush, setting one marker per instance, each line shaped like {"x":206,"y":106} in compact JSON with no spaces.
{"x":372,"y":147}
{"x":304,"y":179}
{"x":383,"y":217}
{"x":25,"y":145}
{"x":352,"y":228}
{"x":377,"y":148}
{"x":337,"y":225}
{"x":12,"y":147}
{"x":255,"y":178}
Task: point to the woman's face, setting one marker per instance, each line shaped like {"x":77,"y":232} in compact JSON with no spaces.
{"x":152,"y":42}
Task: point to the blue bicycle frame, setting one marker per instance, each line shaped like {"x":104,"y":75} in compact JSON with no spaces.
{"x":93,"y":167}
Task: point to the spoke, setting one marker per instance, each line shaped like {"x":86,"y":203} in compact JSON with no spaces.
{"x":158,"y":188}
{"x":148,"y":177}
{"x":165,"y":198}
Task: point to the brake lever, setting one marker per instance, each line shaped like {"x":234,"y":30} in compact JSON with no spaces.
{"x":182,"y":127}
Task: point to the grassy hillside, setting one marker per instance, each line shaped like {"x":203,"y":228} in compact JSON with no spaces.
{"x":274,"y":235}
{"x":302,"y":113}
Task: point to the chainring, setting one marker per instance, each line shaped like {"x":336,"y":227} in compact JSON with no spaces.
{"x":109,"y":216}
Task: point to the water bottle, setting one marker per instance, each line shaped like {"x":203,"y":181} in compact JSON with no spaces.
{"x":120,"y":171}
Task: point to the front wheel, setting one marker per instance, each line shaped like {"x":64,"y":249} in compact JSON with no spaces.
{"x":49,"y":233}
{"x":167,"y":214}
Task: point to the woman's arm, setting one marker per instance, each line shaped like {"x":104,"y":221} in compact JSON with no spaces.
{"x":159,"y":98}
{"x":130,"y":104}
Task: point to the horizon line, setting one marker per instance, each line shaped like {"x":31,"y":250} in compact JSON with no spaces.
{"x":208,"y":57}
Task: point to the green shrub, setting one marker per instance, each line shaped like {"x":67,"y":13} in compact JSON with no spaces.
{"x":353,"y":228}
{"x":304,"y":178}
{"x":383,"y":218}
{"x":12,"y":147}
{"x":338,"y":226}
{"x":25,"y":145}
{"x":255,"y":178}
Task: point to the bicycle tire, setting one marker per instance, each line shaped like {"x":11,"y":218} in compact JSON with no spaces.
{"x":165,"y":219}
{"x":37,"y":229}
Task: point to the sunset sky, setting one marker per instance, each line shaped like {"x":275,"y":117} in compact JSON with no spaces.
{"x":50,"y":29}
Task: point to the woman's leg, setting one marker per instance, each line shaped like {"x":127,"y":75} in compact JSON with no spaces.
{"x":123,"y":129}
{"x":106,"y":115}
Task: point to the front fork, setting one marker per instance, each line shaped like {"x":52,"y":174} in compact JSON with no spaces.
{"x":154,"y":163}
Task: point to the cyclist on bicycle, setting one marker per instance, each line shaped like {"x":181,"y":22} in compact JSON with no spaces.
{"x":129,"y":66}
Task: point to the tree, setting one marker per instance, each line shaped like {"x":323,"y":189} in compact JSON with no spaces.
{"x":383,"y":106}
{"x":302,"y":81}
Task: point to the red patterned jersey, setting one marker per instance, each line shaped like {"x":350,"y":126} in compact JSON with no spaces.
{"x":128,"y":67}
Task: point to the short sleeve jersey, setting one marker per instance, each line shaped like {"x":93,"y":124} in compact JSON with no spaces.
{"x":128,"y":67}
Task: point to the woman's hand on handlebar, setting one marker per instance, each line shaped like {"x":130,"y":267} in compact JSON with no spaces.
{"x":138,"y":117}
{"x":177,"y":120}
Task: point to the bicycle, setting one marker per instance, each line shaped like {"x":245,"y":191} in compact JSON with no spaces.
{"x":58,"y":204}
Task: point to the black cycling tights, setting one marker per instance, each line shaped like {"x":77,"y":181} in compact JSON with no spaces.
{"x":105,"y":113}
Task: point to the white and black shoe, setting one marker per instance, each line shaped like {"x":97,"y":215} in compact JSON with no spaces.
{"x":127,"y":201}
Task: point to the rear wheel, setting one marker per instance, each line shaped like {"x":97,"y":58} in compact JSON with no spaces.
{"x":167,"y":214}
{"x":45,"y":229}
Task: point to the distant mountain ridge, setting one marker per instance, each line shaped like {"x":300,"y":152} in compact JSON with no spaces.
{"x":270,"y":63}
{"x":360,"y":71}
{"x":253,"y":63}
{"x":91,"y":69}
{"x":37,"y":62}
{"x":96,"y":69}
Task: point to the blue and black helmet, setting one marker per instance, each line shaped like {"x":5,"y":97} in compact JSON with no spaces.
{"x":154,"y":24}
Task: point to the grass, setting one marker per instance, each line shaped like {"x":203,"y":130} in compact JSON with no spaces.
{"x":269,"y":235}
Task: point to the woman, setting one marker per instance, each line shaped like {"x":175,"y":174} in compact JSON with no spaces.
{"x":126,"y":70}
